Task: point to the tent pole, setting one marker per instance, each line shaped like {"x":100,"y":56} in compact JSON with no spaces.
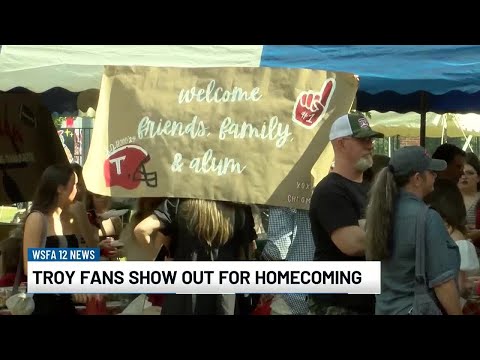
{"x":468,"y":138}
{"x":423,"y":117}
{"x":444,"y":129}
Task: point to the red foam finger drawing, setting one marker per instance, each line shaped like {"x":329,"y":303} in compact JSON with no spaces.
{"x":311,"y":106}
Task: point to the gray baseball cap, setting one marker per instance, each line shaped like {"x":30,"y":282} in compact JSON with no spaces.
{"x":412,"y":159}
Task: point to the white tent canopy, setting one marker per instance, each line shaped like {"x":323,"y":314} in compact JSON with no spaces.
{"x":80,"y":67}
{"x":437,"y":126}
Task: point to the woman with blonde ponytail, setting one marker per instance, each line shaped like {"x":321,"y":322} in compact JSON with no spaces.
{"x":201,"y":230}
{"x":396,"y":200}
{"x":210,"y":220}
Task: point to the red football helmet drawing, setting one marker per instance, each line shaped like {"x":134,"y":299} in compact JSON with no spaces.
{"x":125,"y":167}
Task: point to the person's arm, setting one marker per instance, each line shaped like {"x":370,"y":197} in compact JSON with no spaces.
{"x":117,"y":225}
{"x":350,"y":240}
{"x":279,"y":234}
{"x":474,"y":235}
{"x":161,"y":218}
{"x":441,"y":263}
{"x":32,"y":235}
{"x":83,"y":226}
{"x":447,"y":294}
{"x":464,"y":285}
{"x":336,"y":213}
{"x":146,"y":228}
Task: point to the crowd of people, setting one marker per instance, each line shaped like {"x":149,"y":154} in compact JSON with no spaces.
{"x":372,"y":207}
{"x":369,"y":207}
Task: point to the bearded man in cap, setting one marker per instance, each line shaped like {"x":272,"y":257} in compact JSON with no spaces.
{"x":337,"y":210}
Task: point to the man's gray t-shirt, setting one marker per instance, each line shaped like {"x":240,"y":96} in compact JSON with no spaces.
{"x":442,"y":258}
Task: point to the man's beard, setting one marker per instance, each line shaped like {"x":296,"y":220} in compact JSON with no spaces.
{"x":364,"y":163}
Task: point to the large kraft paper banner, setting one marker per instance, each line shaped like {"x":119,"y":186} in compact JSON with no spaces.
{"x":249,"y":135}
{"x":28,"y":145}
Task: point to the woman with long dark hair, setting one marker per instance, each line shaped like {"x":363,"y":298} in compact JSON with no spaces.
{"x":396,"y":199}
{"x":469,"y":185}
{"x":447,"y":200}
{"x":56,"y":191}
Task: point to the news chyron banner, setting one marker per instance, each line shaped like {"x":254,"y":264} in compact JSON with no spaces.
{"x":75,"y":271}
{"x":246,"y":135}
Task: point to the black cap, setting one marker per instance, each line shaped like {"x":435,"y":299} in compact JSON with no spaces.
{"x":412,"y":159}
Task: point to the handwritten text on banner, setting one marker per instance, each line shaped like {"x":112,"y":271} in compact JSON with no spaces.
{"x":249,"y":135}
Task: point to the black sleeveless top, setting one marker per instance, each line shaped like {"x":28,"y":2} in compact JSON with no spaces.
{"x":56,"y":304}
{"x":187,"y":247}
{"x":56,"y":241}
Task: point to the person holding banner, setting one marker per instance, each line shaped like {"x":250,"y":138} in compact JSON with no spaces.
{"x":134,"y":251}
{"x":155,"y":250}
{"x":201,"y":230}
{"x":337,"y":210}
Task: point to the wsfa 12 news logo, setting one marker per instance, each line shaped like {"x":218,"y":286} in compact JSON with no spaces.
{"x":82,"y":271}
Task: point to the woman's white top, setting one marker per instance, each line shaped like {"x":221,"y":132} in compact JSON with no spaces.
{"x":468,"y":256}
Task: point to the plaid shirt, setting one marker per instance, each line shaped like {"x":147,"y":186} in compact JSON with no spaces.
{"x":289,"y":237}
